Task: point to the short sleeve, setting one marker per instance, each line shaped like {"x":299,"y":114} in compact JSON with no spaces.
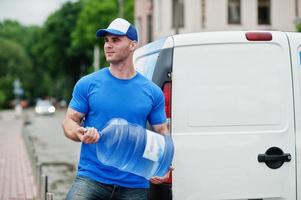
{"x":79,"y":101}
{"x":157,"y":114}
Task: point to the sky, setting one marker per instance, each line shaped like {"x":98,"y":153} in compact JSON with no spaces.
{"x":29,"y":12}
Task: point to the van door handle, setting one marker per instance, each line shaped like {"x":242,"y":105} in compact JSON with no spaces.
{"x":286,"y":157}
{"x":274,"y":157}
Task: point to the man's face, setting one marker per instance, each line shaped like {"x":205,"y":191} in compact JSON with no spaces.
{"x":117,"y":48}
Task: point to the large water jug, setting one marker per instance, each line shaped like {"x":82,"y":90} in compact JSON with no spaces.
{"x":131,"y":148}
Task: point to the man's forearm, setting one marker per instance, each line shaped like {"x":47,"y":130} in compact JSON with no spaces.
{"x":70,"y":127}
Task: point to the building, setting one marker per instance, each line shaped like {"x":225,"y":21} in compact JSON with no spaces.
{"x":159,"y":18}
{"x":144,"y":20}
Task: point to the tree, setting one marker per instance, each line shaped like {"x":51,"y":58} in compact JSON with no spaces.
{"x":23,"y":35}
{"x":94,"y":15}
{"x":14,"y":64}
{"x":14,"y":31}
{"x":57,"y":57}
{"x":50,"y":59}
{"x":22,"y":40}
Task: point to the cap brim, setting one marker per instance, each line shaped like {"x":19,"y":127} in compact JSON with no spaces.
{"x":103,"y":32}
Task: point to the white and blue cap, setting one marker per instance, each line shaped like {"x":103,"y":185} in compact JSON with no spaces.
{"x":119,"y":27}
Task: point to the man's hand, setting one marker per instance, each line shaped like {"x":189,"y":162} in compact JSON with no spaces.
{"x":159,"y":180}
{"x":87,"y":135}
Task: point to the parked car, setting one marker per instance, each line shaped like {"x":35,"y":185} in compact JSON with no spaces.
{"x":44,"y":107}
{"x":234,"y":104}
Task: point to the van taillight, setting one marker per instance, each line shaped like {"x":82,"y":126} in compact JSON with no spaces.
{"x":259,"y":36}
{"x":167,"y":98}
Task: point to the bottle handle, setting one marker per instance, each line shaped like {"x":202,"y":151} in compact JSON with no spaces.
{"x":89,"y":127}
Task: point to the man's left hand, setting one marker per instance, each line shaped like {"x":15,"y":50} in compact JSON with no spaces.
{"x":159,"y":180}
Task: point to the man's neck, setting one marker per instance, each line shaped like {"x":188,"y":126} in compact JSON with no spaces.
{"x":122,"y":71}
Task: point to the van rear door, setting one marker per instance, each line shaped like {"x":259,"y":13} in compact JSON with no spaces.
{"x":295,"y":45}
{"x":232,"y":117}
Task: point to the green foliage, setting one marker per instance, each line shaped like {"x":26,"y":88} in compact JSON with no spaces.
{"x":2,"y":98}
{"x":14,"y":63}
{"x":94,"y":14}
{"x":57,"y":56}
{"x":48,"y":60}
{"x":97,"y":14}
{"x":14,"y":31}
{"x":25,"y":36}
{"x":13,"y":58}
{"x":298,"y":27}
{"x":129,"y":11}
{"x":17,"y":58}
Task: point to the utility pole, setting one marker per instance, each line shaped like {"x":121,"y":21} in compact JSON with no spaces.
{"x":203,"y":14}
{"x":96,"y":62}
{"x":296,"y":9}
{"x":297,"y":14}
{"x":120,"y":8}
{"x":177,"y":8}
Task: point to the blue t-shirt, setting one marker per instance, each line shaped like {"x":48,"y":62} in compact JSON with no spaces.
{"x":101,"y":97}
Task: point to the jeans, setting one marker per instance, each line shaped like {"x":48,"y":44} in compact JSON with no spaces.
{"x":86,"y":189}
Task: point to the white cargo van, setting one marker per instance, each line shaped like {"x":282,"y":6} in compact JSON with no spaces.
{"x":235,"y":112}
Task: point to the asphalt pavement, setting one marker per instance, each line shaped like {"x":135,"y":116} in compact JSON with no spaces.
{"x":57,"y":154}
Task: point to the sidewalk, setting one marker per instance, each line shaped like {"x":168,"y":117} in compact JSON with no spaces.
{"x":16,"y":178}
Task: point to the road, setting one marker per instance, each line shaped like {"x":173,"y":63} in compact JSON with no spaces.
{"x":57,"y":154}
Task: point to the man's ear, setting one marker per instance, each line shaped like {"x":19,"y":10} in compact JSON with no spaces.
{"x":134,"y":45}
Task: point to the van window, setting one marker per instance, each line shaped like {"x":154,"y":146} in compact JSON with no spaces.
{"x":147,"y":57}
{"x":146,"y":64}
{"x":264,"y":12}
{"x":234,"y":11}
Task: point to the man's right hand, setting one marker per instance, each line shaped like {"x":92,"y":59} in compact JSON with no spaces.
{"x":73,"y":130}
{"x":87,"y":135}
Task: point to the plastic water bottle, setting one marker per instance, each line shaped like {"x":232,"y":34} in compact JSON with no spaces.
{"x":131,"y":148}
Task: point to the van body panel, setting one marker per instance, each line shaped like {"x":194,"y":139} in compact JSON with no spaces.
{"x":233,"y":100}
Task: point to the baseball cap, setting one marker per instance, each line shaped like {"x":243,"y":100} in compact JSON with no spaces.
{"x":119,"y":27}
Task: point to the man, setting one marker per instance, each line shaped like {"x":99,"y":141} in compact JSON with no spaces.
{"x":114,"y":92}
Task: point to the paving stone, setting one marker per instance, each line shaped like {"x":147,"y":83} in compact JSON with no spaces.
{"x":16,"y":177}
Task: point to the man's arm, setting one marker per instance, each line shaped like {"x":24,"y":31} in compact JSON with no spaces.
{"x":74,"y":131}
